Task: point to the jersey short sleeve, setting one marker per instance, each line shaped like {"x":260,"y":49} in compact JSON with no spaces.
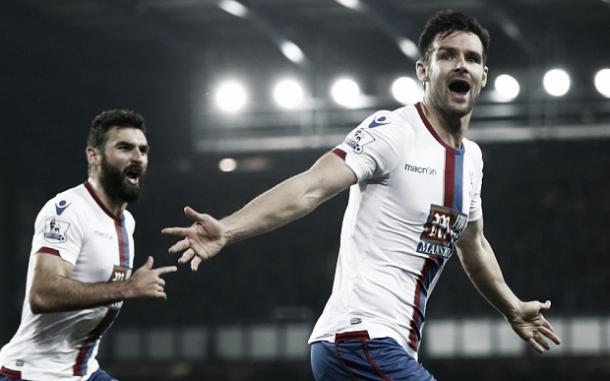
{"x":373,"y":148}
{"x":58,"y":230}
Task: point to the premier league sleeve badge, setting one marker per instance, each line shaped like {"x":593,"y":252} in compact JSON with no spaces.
{"x":55,"y":230}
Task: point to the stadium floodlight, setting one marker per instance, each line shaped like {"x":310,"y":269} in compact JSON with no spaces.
{"x":556,"y":82}
{"x":409,"y":48}
{"x":288,"y":93}
{"x":228,"y":164}
{"x":292,"y":52}
{"x":507,"y":88}
{"x":231,"y":96}
{"x":351,"y":4}
{"x":346,"y":92}
{"x":233,"y":7}
{"x":406,"y":90}
{"x":602,"y":82}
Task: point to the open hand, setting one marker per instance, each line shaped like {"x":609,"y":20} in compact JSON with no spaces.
{"x":531,"y":326}
{"x":201,"y":241}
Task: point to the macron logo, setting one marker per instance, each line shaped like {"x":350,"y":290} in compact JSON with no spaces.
{"x":379,"y":121}
{"x":61,"y":206}
{"x":420,"y":170}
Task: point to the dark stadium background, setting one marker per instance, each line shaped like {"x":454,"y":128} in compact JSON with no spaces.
{"x":245,"y":314}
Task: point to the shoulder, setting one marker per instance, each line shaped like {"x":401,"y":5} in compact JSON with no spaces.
{"x":389,"y":123}
{"x":473,"y":149}
{"x":473,"y":155}
{"x":60,"y":215}
{"x":130,"y":221}
{"x":398,"y":118}
{"x":67,"y":204}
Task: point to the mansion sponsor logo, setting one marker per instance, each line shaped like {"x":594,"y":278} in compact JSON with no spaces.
{"x":441,"y":231}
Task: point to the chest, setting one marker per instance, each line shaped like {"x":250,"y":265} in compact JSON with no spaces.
{"x":106,"y":253}
{"x":433,"y":176}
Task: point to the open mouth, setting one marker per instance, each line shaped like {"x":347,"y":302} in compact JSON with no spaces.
{"x":459,"y":86}
{"x":133,"y":175}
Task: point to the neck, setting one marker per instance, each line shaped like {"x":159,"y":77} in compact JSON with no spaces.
{"x":116,"y":207}
{"x":450,"y":127}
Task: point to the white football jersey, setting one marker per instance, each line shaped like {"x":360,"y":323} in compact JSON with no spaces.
{"x":413,"y":198}
{"x":77,"y":227}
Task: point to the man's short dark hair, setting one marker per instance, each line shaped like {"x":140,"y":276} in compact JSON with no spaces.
{"x":98,"y":133}
{"x":446,"y":22}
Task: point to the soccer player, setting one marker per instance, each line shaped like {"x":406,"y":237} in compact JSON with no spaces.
{"x":80,"y":268}
{"x":415,"y":200}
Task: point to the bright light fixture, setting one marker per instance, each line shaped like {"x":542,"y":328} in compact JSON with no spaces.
{"x":228,"y":164}
{"x":507,"y":88}
{"x":409,"y":48}
{"x":352,"y":4}
{"x":407,"y":91}
{"x":233,"y":7}
{"x":346,"y":92}
{"x":602,"y":82}
{"x":292,"y":52}
{"x":231,"y":96}
{"x":288,"y":93}
{"x":556,"y":82}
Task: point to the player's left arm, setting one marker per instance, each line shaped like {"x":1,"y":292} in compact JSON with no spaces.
{"x":480,"y":264}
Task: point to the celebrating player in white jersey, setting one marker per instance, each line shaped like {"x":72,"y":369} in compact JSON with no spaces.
{"x":415,"y":200}
{"x":81,"y":261}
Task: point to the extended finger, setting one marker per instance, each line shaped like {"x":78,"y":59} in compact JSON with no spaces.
{"x":186,"y":256}
{"x":180,"y":231}
{"x":540,"y":340}
{"x":193,"y":214}
{"x":534,"y":344}
{"x":179,"y":246}
{"x":550,"y":334}
{"x":195,"y":263}
{"x":545,"y":323}
{"x":165,"y":270}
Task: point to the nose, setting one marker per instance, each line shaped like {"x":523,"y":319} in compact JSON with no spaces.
{"x":460,"y":64}
{"x":136,"y":156}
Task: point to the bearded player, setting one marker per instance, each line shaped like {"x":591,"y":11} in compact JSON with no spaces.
{"x":80,"y":267}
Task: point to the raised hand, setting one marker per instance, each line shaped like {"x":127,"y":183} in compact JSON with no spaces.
{"x":531,"y":326}
{"x":146,"y":282}
{"x":201,"y":241}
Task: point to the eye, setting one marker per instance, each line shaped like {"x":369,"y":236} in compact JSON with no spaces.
{"x":473,"y":58}
{"x":445,"y":56}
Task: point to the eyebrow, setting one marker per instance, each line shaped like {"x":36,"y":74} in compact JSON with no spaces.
{"x":129,"y":144}
{"x":451,"y":49}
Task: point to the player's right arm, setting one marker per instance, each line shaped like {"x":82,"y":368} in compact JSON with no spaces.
{"x":52,"y":290}
{"x":286,"y":202}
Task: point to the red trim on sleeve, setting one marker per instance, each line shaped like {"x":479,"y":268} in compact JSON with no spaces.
{"x":48,"y":250}
{"x":13,"y":374}
{"x":339,"y":152}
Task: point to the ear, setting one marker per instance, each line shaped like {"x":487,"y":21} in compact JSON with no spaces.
{"x":93,"y":156}
{"x":484,"y":79}
{"x":422,"y":70}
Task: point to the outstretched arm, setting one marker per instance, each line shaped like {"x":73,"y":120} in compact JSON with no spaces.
{"x":52,"y":290}
{"x":287,"y":201}
{"x":481,"y":266}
